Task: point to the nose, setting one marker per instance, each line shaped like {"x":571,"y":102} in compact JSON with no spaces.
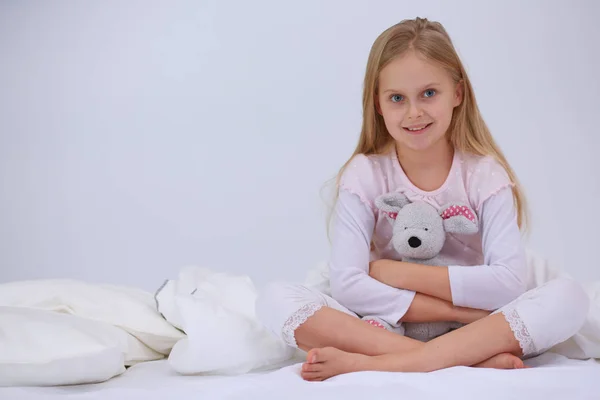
{"x":414,"y":111}
{"x":414,"y":242}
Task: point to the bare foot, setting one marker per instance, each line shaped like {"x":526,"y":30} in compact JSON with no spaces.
{"x":327,"y":362}
{"x":502,"y":361}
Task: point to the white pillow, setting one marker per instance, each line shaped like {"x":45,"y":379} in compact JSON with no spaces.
{"x":45,"y":348}
{"x":131,"y":309}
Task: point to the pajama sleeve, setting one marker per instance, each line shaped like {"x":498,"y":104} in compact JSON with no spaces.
{"x":352,"y":228}
{"x":503,"y":276}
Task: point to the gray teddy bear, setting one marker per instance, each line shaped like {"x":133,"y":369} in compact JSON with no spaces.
{"x":419,"y":233}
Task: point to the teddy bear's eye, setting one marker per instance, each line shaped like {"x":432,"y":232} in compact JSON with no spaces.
{"x":426,"y":229}
{"x":406,"y":227}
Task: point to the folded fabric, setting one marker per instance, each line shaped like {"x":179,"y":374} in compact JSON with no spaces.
{"x":45,"y":348}
{"x":216,"y":311}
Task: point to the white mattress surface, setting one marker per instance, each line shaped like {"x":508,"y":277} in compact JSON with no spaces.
{"x":551,"y":377}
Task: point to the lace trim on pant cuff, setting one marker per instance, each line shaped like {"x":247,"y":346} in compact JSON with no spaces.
{"x":520,"y":331}
{"x":297,"y":319}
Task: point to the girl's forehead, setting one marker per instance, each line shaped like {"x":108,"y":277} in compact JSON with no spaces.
{"x":411,"y":71}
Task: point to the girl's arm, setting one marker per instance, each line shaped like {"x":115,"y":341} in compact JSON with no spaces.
{"x":431,"y":280}
{"x":351,"y":285}
{"x":425,"y":308}
{"x":490,"y":286}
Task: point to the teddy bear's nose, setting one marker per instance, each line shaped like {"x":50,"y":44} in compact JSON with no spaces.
{"x":414,"y":242}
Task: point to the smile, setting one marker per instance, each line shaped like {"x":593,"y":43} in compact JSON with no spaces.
{"x":418,"y":129}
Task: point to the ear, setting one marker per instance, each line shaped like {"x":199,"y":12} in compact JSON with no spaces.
{"x":391,"y":203}
{"x":459,"y":218}
{"x":459,"y":93}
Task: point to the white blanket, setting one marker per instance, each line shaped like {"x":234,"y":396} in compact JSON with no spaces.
{"x":216,"y":311}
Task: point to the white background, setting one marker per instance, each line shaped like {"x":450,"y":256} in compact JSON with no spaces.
{"x":137,"y":137}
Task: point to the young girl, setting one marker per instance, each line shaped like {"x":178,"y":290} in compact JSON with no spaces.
{"x":423,"y":136}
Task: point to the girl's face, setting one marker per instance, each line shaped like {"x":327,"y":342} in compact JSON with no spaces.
{"x":416,"y":99}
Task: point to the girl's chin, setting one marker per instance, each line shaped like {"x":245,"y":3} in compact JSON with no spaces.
{"x":417,"y":142}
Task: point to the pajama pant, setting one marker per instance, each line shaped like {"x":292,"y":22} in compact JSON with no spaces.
{"x":539,"y":319}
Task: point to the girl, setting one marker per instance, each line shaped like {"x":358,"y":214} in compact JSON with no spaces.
{"x":423,"y":136}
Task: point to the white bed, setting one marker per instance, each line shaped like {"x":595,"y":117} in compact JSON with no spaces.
{"x":53,"y":333}
{"x":552,"y":377}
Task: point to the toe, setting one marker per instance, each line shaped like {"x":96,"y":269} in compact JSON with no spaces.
{"x":311,"y":376}
{"x":312,"y":356}
{"x":326,"y":353}
{"x":310,"y":367}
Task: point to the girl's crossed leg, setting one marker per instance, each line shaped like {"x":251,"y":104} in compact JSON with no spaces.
{"x":338,"y":342}
{"x":528,"y":326}
{"x":367,"y":347}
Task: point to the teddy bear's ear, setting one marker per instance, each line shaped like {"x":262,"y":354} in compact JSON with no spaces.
{"x":459,"y":218}
{"x":391,"y":203}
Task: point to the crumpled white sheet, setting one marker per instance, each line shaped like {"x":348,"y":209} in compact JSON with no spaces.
{"x":216,"y":311}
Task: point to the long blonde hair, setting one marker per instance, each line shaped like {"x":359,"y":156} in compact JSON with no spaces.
{"x":468,"y":131}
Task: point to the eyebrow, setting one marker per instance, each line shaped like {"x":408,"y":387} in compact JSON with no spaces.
{"x":424,"y":87}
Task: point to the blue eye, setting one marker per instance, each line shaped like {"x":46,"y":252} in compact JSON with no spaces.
{"x":429,"y":93}
{"x":396,"y":98}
